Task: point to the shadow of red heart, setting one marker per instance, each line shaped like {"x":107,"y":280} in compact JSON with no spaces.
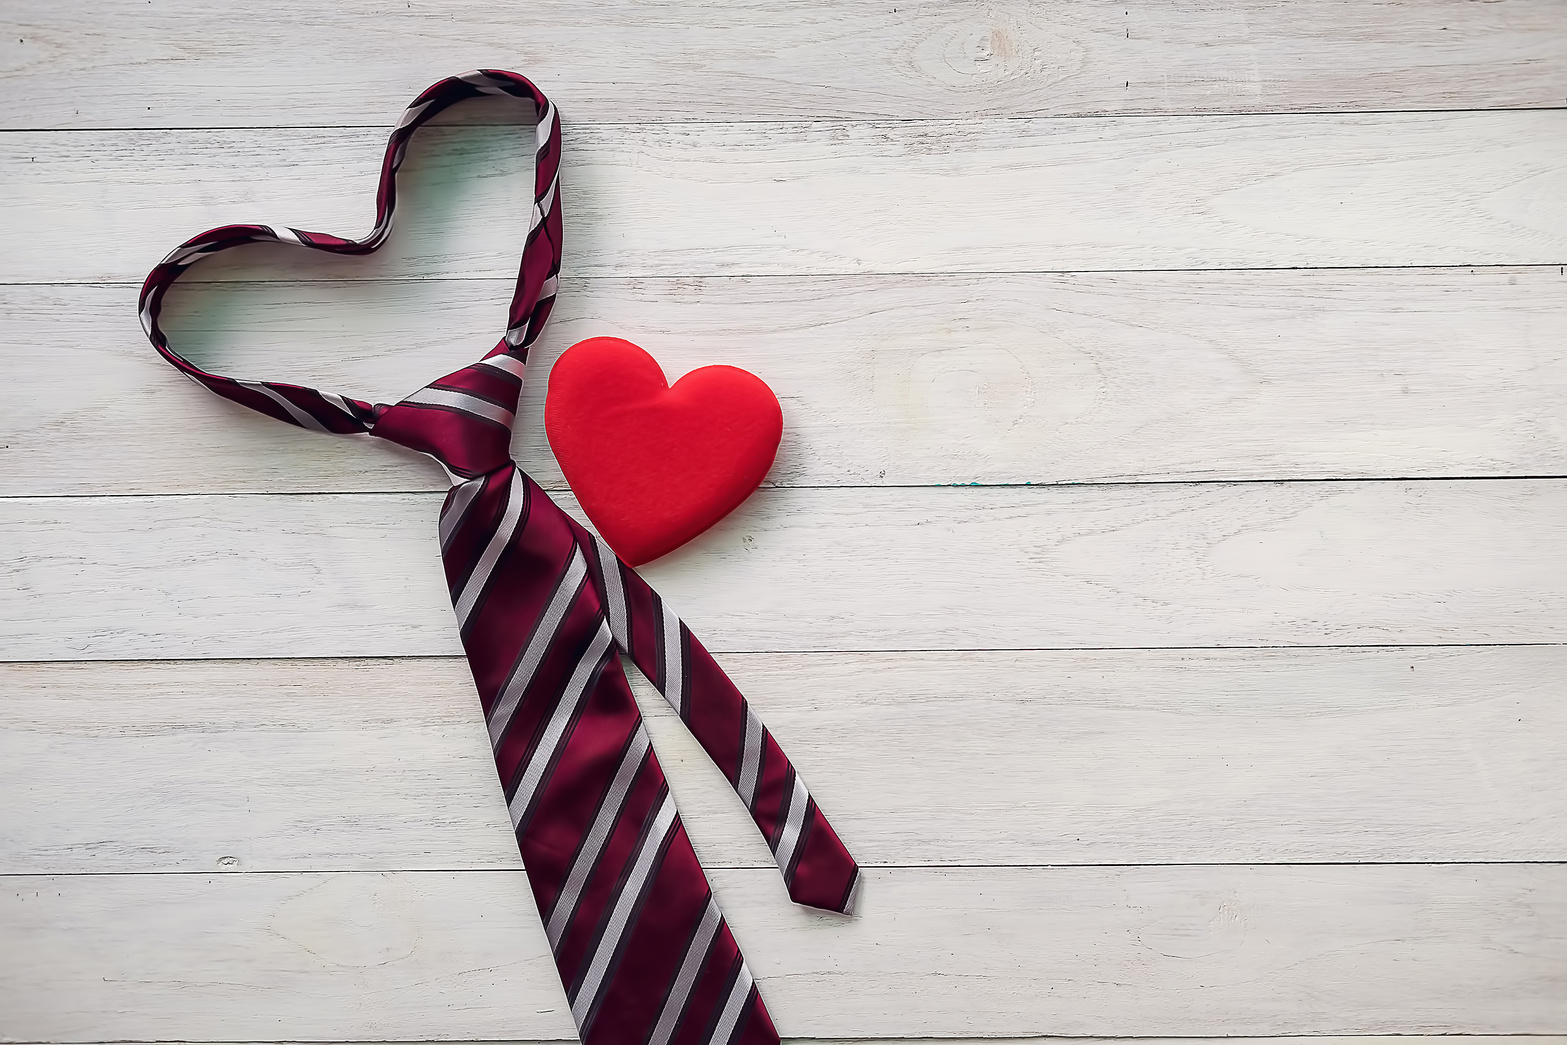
{"x":654,"y":465}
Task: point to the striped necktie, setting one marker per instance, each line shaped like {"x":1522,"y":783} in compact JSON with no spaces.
{"x":545,"y":610}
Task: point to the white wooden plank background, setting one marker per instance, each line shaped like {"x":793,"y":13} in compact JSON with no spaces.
{"x":179,"y":63}
{"x":818,"y":198}
{"x":885,"y":380}
{"x":1251,"y":729}
{"x":1310,"y":755}
{"x":1008,"y":950}
{"x":1184,"y":564}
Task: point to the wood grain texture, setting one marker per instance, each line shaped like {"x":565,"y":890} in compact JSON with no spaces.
{"x":885,"y":380}
{"x":810,"y":198}
{"x":1094,"y":757}
{"x":822,"y":569}
{"x":956,"y":953}
{"x":173,"y":63}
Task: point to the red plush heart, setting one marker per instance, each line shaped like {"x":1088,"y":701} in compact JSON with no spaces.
{"x":654,"y":465}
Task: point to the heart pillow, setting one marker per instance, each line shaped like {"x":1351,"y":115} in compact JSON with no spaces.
{"x":654,"y":465}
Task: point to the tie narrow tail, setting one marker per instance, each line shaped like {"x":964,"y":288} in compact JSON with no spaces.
{"x":817,"y":868}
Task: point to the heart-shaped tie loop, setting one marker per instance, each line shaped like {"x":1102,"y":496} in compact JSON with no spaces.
{"x":478,"y":408}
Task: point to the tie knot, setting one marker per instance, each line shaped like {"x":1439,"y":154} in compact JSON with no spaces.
{"x":462,"y":420}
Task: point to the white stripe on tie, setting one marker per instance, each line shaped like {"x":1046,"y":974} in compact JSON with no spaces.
{"x":750,"y":758}
{"x":511,"y":515}
{"x":457,"y":510}
{"x":412,"y":113}
{"x":685,"y":979}
{"x":285,"y":234}
{"x":295,"y":412}
{"x":541,"y":133}
{"x":593,"y":844}
{"x":674,"y":670}
{"x":183,"y":256}
{"x":547,"y":204}
{"x":507,"y":363}
{"x":538,"y":645}
{"x":641,"y":870}
{"x":543,"y":205}
{"x":798,"y":800}
{"x":555,"y":732}
{"x":737,"y":996}
{"x":341,"y":403}
{"x":854,"y":893}
{"x":383,"y":227}
{"x":614,"y":592}
{"x":486,"y":84}
{"x":470,"y":404}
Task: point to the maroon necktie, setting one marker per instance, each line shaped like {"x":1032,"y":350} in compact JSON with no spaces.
{"x":543,"y":607}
